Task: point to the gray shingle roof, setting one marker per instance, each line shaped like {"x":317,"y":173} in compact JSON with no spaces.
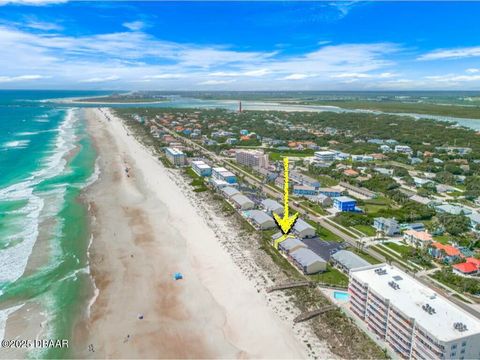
{"x":230,"y":191}
{"x":306,"y":257}
{"x":301,"y":225}
{"x":272,"y":205}
{"x":290,"y":243}
{"x":241,"y":199}
{"x":349,"y":259}
{"x":259,"y":216}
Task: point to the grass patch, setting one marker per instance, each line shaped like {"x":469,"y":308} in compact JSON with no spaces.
{"x":332,"y":277}
{"x":443,"y":239}
{"x":315,"y":207}
{"x":279,"y":155}
{"x":324,"y":233}
{"x":401,"y":249}
{"x":366,"y":229}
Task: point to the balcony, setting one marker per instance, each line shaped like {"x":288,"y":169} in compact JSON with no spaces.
{"x":357,"y":312}
{"x":359,"y":302}
{"x":405,"y":344}
{"x":428,"y":346}
{"x":358,"y":289}
{"x":425,"y":351}
{"x":377,"y":307}
{"x":401,"y":319}
{"x":377,"y":317}
{"x":377,"y":298}
{"x":379,"y":328}
{"x":353,"y":291}
{"x":394,"y":328}
{"x":425,"y":339}
{"x":399,"y":323}
{"x":399,"y":350}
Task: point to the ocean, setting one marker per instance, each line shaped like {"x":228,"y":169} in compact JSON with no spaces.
{"x":46,"y":159}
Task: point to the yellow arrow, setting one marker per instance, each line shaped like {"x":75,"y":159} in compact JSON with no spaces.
{"x":287,"y":221}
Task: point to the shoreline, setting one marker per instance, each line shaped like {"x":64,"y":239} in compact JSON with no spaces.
{"x":146,"y":229}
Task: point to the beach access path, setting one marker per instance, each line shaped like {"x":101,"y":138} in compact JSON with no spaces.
{"x":144,"y":230}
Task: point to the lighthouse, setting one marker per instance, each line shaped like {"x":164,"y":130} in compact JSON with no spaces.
{"x":240,"y":106}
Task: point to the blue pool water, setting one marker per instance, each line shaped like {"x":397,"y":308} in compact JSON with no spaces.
{"x":343,"y":296}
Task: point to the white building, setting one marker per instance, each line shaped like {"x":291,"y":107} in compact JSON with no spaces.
{"x":307,"y":261}
{"x":325,"y":156}
{"x":414,"y":320}
{"x":252,"y":158}
{"x":175,"y":156}
{"x":200,"y":168}
{"x":242,"y":202}
{"x":404,"y":149}
{"x":303,"y":229}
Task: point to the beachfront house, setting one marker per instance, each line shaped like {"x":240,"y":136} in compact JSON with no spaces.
{"x":200,"y":168}
{"x":242,"y":202}
{"x":346,"y":260}
{"x":271,"y":206}
{"x":260,"y":220}
{"x":291,"y":244}
{"x":223,"y":174}
{"x":228,"y":192}
{"x":322,"y":200}
{"x":307,"y":261}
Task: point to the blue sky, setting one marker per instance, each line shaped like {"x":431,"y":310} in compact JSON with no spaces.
{"x":240,"y":45}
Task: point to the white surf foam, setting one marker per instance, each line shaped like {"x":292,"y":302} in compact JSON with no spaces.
{"x":13,"y":260}
{"x":16,"y":144}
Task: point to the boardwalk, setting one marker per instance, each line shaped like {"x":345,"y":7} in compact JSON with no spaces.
{"x":290,"y":285}
{"x":310,"y":314}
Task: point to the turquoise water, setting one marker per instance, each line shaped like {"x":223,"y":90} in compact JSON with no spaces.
{"x":46,"y":159}
{"x":342,"y":296}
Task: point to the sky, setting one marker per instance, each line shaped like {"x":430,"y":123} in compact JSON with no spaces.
{"x":278,"y":45}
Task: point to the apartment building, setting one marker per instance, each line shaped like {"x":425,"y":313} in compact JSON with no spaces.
{"x":325,"y":156}
{"x":252,"y":158}
{"x":200,"y":168}
{"x":175,"y":156}
{"x":414,"y":320}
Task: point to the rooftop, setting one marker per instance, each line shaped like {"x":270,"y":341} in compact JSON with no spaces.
{"x":412,"y":295}
{"x":420,"y":235}
{"x":305,"y":256}
{"x":349,"y":259}
{"x":344,"y":199}
{"x":258,"y":216}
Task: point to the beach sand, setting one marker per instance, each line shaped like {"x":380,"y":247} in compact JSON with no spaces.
{"x":144,"y":230}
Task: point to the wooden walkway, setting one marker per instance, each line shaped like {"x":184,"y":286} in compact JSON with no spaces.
{"x":310,"y":314}
{"x":289,"y":285}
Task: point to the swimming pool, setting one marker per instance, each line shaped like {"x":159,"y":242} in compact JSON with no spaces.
{"x":342,"y":296}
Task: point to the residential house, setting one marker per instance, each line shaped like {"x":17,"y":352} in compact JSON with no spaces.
{"x":242,"y":202}
{"x":304,"y":190}
{"x":389,"y":227}
{"x":307,"y":261}
{"x":303,"y":229}
{"x":271,"y":207}
{"x":345,"y":203}
{"x":260,"y":219}
{"x":418,"y":239}
{"x":346,"y":260}
{"x":446,"y":253}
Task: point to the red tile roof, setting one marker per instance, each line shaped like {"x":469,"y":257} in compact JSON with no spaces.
{"x":466,"y":267}
{"x":449,"y":250}
{"x":474,"y":261}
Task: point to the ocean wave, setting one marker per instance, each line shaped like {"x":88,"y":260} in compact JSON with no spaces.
{"x":13,"y":260}
{"x":16,"y":144}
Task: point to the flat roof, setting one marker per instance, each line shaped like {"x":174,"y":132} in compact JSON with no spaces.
{"x":174,"y":151}
{"x":344,"y":199}
{"x":410,"y":298}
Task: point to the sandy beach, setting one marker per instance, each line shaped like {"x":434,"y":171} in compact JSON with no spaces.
{"x":144,"y":230}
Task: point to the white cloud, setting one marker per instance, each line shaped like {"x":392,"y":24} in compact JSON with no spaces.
{"x":45,"y":26}
{"x":249,"y":73}
{"x":451,"y":53}
{"x":296,"y":76}
{"x":101,"y":79}
{"x":453,"y":78}
{"x":134,"y":25}
{"x":5,"y":79}
{"x":216,"y":82}
{"x":472,"y":71}
{"x":31,"y":2}
{"x":165,"y":76}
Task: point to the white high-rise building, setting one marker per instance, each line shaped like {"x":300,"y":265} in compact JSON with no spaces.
{"x":325,"y":156}
{"x":252,"y":158}
{"x":413,"y":319}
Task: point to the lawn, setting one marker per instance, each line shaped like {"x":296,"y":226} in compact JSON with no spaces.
{"x":332,"y":277}
{"x":366,"y":229}
{"x":325,"y":234}
{"x":401,"y":249}
{"x":442,"y":239}
{"x":315,"y":207}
